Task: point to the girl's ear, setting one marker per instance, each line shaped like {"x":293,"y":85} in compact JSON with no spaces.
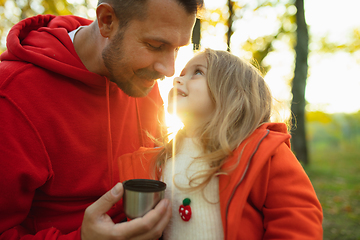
{"x":106,"y":19}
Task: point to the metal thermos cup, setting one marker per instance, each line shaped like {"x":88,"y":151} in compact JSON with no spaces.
{"x":141,"y":195}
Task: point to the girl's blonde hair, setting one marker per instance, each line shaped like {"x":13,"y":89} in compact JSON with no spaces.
{"x":242,"y":103}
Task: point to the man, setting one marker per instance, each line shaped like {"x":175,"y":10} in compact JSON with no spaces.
{"x":69,"y":109}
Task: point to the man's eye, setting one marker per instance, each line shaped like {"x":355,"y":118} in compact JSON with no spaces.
{"x":154,"y":47}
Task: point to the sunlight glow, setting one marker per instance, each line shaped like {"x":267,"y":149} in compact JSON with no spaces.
{"x":173,"y":123}
{"x":333,"y":83}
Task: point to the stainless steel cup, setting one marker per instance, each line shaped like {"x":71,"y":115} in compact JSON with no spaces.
{"x":141,"y":195}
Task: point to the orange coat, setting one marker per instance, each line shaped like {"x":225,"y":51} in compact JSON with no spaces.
{"x":267,"y":196}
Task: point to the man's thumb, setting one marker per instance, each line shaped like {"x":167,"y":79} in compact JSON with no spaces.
{"x":106,"y":201}
{"x":117,"y":191}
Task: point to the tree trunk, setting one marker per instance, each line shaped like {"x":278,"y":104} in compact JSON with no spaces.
{"x":196,"y":35}
{"x":229,"y":24}
{"x":299,"y":144}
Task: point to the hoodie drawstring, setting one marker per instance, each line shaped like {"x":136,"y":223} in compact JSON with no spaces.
{"x":109,"y":145}
{"x":109,"y":140}
{"x":141,"y":136}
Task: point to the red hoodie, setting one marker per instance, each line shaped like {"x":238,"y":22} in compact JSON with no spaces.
{"x":61,"y":128}
{"x":266,"y":195}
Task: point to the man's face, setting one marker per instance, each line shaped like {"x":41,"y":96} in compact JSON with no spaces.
{"x":146,"y":50}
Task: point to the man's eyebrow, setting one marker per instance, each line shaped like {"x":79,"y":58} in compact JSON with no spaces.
{"x":164,"y":41}
{"x":159,"y":39}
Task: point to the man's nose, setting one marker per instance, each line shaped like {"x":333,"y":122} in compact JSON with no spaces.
{"x":166,"y":64}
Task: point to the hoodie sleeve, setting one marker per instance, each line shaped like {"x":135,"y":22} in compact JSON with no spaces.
{"x":291,"y":209}
{"x":24,"y":167}
{"x":47,"y":234}
{"x":136,"y":165}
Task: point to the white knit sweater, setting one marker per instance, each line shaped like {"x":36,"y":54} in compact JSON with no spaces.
{"x":205,"y":222}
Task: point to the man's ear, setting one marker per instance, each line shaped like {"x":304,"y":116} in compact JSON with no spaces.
{"x":106,"y":19}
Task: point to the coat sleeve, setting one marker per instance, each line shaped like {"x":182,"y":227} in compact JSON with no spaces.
{"x":291,"y":209}
{"x":24,"y":167}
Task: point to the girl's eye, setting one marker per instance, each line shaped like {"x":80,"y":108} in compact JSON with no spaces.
{"x":198,"y":72}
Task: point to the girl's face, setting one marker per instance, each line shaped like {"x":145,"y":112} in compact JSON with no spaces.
{"x":191,"y":94}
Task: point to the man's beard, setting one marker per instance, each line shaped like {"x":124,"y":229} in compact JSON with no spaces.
{"x":113,"y":55}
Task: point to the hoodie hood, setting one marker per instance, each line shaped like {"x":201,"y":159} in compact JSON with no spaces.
{"x":264,"y":141}
{"x":279,"y":129}
{"x":29,"y":41}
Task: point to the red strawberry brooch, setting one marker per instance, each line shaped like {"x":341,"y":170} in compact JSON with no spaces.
{"x":185,"y":210}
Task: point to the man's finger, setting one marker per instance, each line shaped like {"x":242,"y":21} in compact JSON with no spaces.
{"x":149,"y":226}
{"x":106,"y":201}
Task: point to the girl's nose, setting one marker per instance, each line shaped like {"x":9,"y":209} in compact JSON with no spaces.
{"x":178,"y":80}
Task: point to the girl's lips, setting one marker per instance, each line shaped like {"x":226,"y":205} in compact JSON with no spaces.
{"x":175,"y":92}
{"x":179,"y":92}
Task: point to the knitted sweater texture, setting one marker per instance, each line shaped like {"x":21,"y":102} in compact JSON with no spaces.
{"x":205,"y":221}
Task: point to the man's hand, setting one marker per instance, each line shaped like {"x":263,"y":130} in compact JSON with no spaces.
{"x":98,"y":225}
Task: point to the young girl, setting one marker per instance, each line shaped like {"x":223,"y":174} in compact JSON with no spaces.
{"x":230,"y":173}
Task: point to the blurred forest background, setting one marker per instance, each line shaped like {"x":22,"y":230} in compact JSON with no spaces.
{"x":276,"y":36}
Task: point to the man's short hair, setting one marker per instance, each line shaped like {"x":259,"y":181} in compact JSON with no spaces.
{"x":127,"y":10}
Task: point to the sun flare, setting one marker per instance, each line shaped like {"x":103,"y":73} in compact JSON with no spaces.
{"x":172,"y":121}
{"x":173,"y":124}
